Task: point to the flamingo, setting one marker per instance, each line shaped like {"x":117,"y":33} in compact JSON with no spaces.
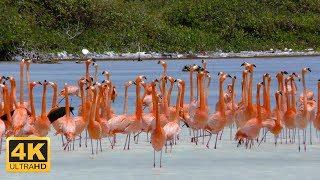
{"x":172,"y":128}
{"x":135,"y":120}
{"x":42,"y":123}
{"x":114,"y":92}
{"x":5,"y":95}
{"x":239,"y":114}
{"x":250,"y":111}
{"x":118,"y":123}
{"x":316,"y":121}
{"x":29,"y":127}
{"x":289,"y":116}
{"x":303,"y":115}
{"x":20,"y":114}
{"x":94,"y":127}
{"x":158,"y":136}
{"x":250,"y":130}
{"x":217,"y":121}
{"x":274,"y":123}
{"x":82,"y":120}
{"x":66,"y":124}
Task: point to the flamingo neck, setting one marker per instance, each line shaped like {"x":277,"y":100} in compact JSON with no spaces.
{"x":264,"y":92}
{"x":103,"y":104}
{"x":258,"y":105}
{"x":138,"y":103}
{"x":278,"y":108}
{"x":304,"y":93}
{"x":44,"y":100}
{"x":33,"y":111}
{"x":250,"y":90}
{"x":98,"y":105}
{"x":233,"y":93}
{"x":21,"y":84}
{"x":54,"y":97}
{"x":156,"y":108}
{"x":268,"y":97}
{"x":1,"y":100}
{"x":201,"y":92}
{"x":178,"y":102}
{"x":293,"y":96}
{"x":93,"y":108}
{"x":287,"y":95}
{"x":83,"y":100}
{"x":169,"y":93}
{"x":182,"y":95}
{"x":221,"y":98}
{"x":13,"y":96}
{"x":125,"y":104}
{"x":6,"y":99}
{"x":67,"y":102}
{"x":191,"y":86}
{"x":318,"y":97}
{"x":108,"y":112}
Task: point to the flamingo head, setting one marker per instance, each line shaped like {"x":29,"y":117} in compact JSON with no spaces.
{"x":34,"y":83}
{"x":306,"y":69}
{"x":89,"y":61}
{"x":248,"y":66}
{"x":171,"y":79}
{"x":106,"y":73}
{"x":163,"y":63}
{"x":140,"y":78}
{"x":129,"y":83}
{"x":27,"y":62}
{"x":52,"y":84}
{"x":223,"y":76}
{"x":45,"y":83}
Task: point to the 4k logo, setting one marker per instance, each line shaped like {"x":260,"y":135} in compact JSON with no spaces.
{"x":28,"y":154}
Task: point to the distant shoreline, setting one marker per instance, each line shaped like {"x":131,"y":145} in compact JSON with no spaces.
{"x":51,"y":58}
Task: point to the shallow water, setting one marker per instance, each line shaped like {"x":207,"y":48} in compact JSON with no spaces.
{"x":186,"y":159}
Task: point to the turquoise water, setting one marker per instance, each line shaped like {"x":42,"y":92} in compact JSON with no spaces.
{"x":186,"y":160}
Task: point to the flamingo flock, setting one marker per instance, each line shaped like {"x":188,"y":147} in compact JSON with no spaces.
{"x":157,"y":115}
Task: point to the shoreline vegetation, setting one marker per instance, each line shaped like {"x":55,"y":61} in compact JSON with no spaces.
{"x":111,"y":56}
{"x":193,"y":29}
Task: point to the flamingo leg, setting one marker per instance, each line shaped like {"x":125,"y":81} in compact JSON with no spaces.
{"x":264,"y":136}
{"x":209,"y":141}
{"x":202,"y":136}
{"x":286,"y":136}
{"x":154,"y":158}
{"x":305,"y":139}
{"x":125,"y":144}
{"x":231,"y":132}
{"x":129,"y":142}
{"x":80,"y":140}
{"x":310,"y":134}
{"x":91,"y":147}
{"x":97,"y":146}
{"x":0,"y":144}
{"x":165,"y":150}
{"x":161,"y":158}
{"x":221,"y":134}
{"x":86,"y":143}
{"x":299,"y":139}
{"x":100,"y":145}
{"x":62,"y":140}
{"x":215,"y":144}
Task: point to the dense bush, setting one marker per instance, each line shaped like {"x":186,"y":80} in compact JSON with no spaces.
{"x":158,"y":25}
